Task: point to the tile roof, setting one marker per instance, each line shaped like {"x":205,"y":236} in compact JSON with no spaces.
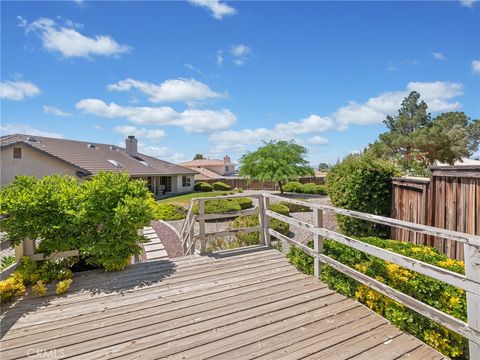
{"x":205,"y":162}
{"x":92,"y":158}
{"x":206,"y":174}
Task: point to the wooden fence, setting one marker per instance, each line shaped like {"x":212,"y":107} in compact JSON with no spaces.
{"x":262,"y":185}
{"x":470,"y":282}
{"x":450,"y":199}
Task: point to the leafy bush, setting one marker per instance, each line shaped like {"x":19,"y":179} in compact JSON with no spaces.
{"x":245,"y":203}
{"x":435,"y":293}
{"x":100,"y":217}
{"x":221,"y":186}
{"x":292,"y":186}
{"x":36,"y":274}
{"x":248,"y":239}
{"x":219,"y":206}
{"x":203,"y":186}
{"x":281,"y":209}
{"x":361,"y":183}
{"x":169,"y":212}
{"x":295,"y":207}
{"x":312,"y":188}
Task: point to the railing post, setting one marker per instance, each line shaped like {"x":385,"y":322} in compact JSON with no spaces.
{"x":201,"y":226}
{"x":261,"y":219}
{"x":266,"y":220}
{"x":317,"y":240}
{"x":25,"y":248}
{"x":472,"y":271}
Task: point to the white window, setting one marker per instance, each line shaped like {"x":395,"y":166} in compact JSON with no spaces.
{"x":186,"y":181}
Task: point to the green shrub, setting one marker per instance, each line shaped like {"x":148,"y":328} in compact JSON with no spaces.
{"x":203,"y":186}
{"x":435,"y":293}
{"x":7,"y":261}
{"x":248,"y":239}
{"x":169,"y":212}
{"x":361,"y":183}
{"x":292,"y":186}
{"x":221,"y":186}
{"x":295,"y":207}
{"x":100,"y":217}
{"x":219,"y":206}
{"x":245,"y":203}
{"x":281,"y":209}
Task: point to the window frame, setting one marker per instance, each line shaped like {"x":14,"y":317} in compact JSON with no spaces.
{"x":17,"y":152}
{"x":186,"y":181}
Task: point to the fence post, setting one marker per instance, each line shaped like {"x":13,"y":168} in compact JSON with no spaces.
{"x":266,"y":220}
{"x":317,"y":239}
{"x":25,"y":248}
{"x":472,"y":271}
{"x":201,"y":226}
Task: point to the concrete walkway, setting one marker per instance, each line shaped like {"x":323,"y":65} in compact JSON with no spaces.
{"x":154,"y":249}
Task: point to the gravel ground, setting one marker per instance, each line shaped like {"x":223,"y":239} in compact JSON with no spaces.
{"x":169,"y":239}
{"x":301,"y":235}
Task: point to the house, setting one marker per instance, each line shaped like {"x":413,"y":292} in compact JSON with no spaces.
{"x":40,"y":156}
{"x":212,"y":169}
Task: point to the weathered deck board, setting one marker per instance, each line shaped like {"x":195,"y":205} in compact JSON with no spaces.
{"x":236,"y":305}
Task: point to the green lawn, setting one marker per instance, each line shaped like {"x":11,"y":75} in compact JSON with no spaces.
{"x":184,"y":200}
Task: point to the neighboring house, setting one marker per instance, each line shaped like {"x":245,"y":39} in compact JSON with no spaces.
{"x":212,"y":169}
{"x":40,"y":156}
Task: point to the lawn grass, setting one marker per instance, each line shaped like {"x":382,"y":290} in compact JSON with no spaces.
{"x":184,"y":200}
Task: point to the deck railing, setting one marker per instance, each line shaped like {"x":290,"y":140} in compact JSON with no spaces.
{"x":470,"y":282}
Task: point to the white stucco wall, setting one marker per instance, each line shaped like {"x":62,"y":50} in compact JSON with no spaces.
{"x":179,"y":187}
{"x":220,"y":169}
{"x":32,"y":163}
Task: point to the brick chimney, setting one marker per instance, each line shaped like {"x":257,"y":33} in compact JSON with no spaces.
{"x":226,"y":159}
{"x":131,"y":145}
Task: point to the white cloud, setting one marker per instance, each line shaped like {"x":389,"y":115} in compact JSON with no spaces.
{"x":241,"y":139}
{"x":22,"y":22}
{"x":161,"y":152}
{"x":438,"y":56}
{"x":241,"y":53}
{"x":70,"y":43}
{"x":55,"y":111}
{"x":139,"y":132}
{"x":467,"y":3}
{"x":98,"y":127}
{"x":436,"y":94}
{"x":27,"y":130}
{"x":169,"y":90}
{"x":190,"y":120}
{"x":317,"y":140}
{"x":18,"y":90}
{"x":218,"y":9}
{"x":219,"y":57}
{"x":476,"y":66}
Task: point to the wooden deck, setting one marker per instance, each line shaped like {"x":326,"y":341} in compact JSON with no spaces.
{"x":241,"y":304}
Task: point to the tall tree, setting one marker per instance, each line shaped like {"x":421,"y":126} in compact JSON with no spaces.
{"x":198,"y":157}
{"x":277,"y":161}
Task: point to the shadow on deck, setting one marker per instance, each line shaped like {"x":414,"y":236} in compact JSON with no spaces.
{"x":239,"y":304}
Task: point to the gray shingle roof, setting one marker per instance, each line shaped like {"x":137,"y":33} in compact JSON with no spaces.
{"x":92,"y":158}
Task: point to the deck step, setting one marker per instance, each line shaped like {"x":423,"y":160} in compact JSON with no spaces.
{"x":154,"y":249}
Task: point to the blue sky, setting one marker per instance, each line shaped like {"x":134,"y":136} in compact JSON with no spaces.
{"x":218,"y":77}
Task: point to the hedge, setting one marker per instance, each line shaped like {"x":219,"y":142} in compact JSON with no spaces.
{"x":281,"y":209}
{"x":221,"y":186}
{"x":295,"y":207}
{"x":244,"y":202}
{"x":219,"y":206}
{"x":309,"y":188}
{"x":203,"y":186}
{"x":435,"y":293}
{"x":248,"y":239}
{"x":292,"y":186}
{"x":361,"y":183}
{"x":169,"y":212}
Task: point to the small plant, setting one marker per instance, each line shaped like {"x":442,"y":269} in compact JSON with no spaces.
{"x":63,"y":286}
{"x":293,"y":186}
{"x":11,"y":288}
{"x":221,"y":186}
{"x":245,"y":203}
{"x":169,"y":212}
{"x":239,"y":190}
{"x":281,"y":209}
{"x":39,"y":288}
{"x":295,"y":207}
{"x":203,"y":186}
